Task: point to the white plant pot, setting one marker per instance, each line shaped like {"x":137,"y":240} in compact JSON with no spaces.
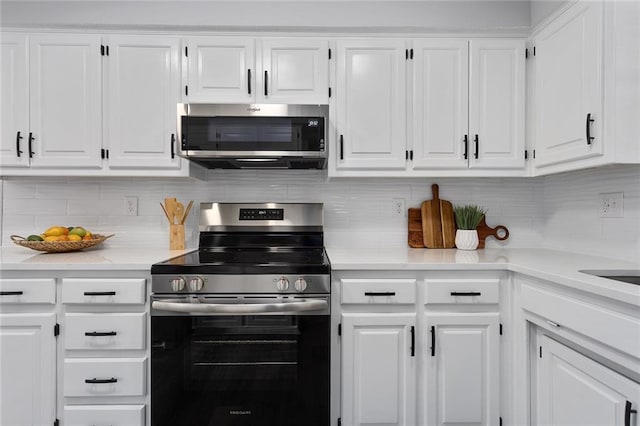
{"x":467,"y":239}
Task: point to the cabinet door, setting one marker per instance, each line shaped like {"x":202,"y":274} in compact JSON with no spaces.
{"x":462,"y":369}
{"x":371,"y":105}
{"x":65,"y":100}
{"x":14,"y":102}
{"x":568,"y":68}
{"x":496,"y":104}
{"x":294,"y":71}
{"x":221,"y":69}
{"x":378,"y":369}
{"x":141,"y":92}
{"x":575,"y":390}
{"x":27,"y":369}
{"x":440,"y":104}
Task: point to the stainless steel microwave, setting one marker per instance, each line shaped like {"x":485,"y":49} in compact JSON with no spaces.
{"x":236,"y":136}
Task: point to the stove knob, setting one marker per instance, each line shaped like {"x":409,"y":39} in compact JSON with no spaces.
{"x":282,"y":284}
{"x":300,"y":284}
{"x":196,"y":284}
{"x":177,"y":284}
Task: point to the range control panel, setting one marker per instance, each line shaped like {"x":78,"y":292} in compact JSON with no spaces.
{"x":261,"y":214}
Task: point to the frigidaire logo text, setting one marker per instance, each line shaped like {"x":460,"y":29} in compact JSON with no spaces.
{"x":240,"y":412}
{"x":253,"y":109}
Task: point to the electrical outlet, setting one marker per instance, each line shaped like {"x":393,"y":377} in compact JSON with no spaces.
{"x":397,"y":207}
{"x":611,"y":204}
{"x":131,"y":206}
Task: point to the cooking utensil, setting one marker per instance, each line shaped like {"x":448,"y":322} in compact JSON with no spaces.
{"x":165,"y":212}
{"x":438,"y":223}
{"x":179,"y":212}
{"x":485,"y":231}
{"x":414,"y":219}
{"x":171,"y":204}
{"x":186,"y":213}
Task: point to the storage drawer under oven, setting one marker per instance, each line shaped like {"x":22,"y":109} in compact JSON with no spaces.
{"x":112,"y":415}
{"x":104,"y":376}
{"x":105,"y":331}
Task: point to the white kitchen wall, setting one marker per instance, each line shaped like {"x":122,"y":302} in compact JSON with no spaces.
{"x":557,"y":212}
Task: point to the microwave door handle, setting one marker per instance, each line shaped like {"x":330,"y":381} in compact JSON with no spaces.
{"x":247,"y":308}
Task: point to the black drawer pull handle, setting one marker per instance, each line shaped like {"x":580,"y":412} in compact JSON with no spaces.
{"x":100,"y":333}
{"x":433,"y":340}
{"x":466,"y":293}
{"x":11,"y":293}
{"x":475,"y":154}
{"x":31,"y":138}
{"x":341,"y":147}
{"x":466,"y":147}
{"x":266,"y":77}
{"x":173,"y":146}
{"x":588,"y":128}
{"x":95,"y":381}
{"x":249,"y":80}
{"x":627,"y":413}
{"x":99,"y":293}
{"x":379,"y":293}
{"x":413,"y":341}
{"x":18,"y":150}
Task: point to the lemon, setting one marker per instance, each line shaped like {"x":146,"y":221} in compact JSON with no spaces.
{"x":50,"y":238}
{"x":55,"y":231}
{"x":78,"y":230}
{"x":74,"y":237}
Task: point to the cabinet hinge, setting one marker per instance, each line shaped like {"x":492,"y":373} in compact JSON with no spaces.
{"x":56,"y":329}
{"x":340,"y":329}
{"x":329,"y":91}
{"x":501,"y":329}
{"x":56,"y":422}
{"x":329,"y":53}
{"x":540,"y":353}
{"x":186,"y":51}
{"x":186,"y":90}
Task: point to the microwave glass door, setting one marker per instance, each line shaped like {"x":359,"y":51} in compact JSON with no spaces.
{"x":253,"y":133}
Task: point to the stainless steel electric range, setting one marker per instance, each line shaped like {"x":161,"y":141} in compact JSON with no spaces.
{"x":240,"y":327}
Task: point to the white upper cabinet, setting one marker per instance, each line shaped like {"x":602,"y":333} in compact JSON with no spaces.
{"x":468,"y":104}
{"x":220,"y":69}
{"x":496,"y":104}
{"x":440,"y":104}
{"x":246,"y":70}
{"x":14,"y":102}
{"x":371,"y":105}
{"x":65,"y":101}
{"x":568,"y":86}
{"x":142,"y":88}
{"x":295,"y":71}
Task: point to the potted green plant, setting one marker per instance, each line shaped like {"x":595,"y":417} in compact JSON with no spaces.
{"x":468,"y":218}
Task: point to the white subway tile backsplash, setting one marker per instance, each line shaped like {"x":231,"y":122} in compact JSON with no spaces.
{"x":557,"y":211}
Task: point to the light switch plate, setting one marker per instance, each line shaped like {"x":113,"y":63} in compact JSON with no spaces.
{"x":131,"y":206}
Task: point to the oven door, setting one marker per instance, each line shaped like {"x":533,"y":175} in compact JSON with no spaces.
{"x":235,"y":361}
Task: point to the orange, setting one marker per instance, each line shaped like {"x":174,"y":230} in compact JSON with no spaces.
{"x":74,"y":237}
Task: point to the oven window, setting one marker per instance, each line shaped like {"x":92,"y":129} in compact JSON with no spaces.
{"x":253,"y":133}
{"x":240,"y":370}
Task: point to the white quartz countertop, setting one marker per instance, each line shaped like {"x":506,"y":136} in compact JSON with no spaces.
{"x":556,"y":266}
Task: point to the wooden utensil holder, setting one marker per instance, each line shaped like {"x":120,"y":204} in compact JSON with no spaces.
{"x":176,"y":237}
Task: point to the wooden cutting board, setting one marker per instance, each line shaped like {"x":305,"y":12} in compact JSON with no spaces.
{"x":438,"y":223}
{"x":485,"y":231}
{"x":414,"y":218}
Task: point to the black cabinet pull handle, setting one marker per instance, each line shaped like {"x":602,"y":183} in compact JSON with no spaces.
{"x":11,"y":293}
{"x":475,"y":139}
{"x":588,"y":129}
{"x":249,"y":80}
{"x":379,"y":293}
{"x":433,"y":340}
{"x":406,"y":155}
{"x":341,"y":147}
{"x":411,"y":155}
{"x":466,"y":147}
{"x":99,"y":293}
{"x":266,"y":77}
{"x":413,"y":341}
{"x":627,"y":413}
{"x":466,"y":293}
{"x":31,"y":138}
{"x":18,"y":138}
{"x":101,"y":381}
{"x":173,"y":145}
{"x":100,"y":333}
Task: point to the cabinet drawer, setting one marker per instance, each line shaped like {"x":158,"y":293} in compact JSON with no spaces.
{"x":104,"y":376}
{"x":103,"y":291}
{"x":611,"y":328}
{"x":19,"y":291}
{"x":104,"y":331}
{"x":462,"y":291}
{"x":112,"y":415}
{"x":378,"y":291}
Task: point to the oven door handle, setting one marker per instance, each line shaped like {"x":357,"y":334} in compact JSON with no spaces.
{"x":243,"y":308}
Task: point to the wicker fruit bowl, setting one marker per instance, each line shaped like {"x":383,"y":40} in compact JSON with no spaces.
{"x":59,"y":246}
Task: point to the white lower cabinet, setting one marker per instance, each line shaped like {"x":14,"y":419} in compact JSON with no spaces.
{"x":462,"y":369}
{"x":113,"y":415}
{"x":378,"y":369}
{"x":575,"y":390}
{"x":104,"y":376}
